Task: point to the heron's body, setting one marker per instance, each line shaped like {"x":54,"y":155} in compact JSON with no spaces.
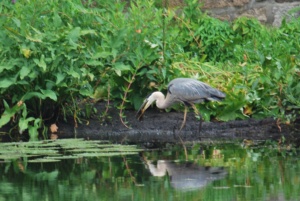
{"x":189,"y":91}
{"x":183,"y":90}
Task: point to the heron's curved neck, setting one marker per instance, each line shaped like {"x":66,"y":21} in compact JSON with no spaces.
{"x":161,"y":102}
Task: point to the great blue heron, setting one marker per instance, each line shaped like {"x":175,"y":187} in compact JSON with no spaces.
{"x":182,"y":90}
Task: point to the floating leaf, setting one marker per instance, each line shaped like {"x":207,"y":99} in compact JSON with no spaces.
{"x":43,"y":160}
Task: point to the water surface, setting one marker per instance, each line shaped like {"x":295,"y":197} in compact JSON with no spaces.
{"x":223,"y":171}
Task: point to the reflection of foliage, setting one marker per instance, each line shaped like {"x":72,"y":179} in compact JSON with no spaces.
{"x":74,"y":179}
{"x":254,"y":173}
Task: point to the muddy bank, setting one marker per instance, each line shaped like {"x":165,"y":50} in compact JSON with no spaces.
{"x":161,"y":127}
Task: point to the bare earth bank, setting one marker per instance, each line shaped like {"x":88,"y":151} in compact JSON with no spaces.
{"x":161,"y":127}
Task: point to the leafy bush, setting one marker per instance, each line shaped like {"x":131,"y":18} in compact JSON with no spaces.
{"x":44,"y":66}
{"x":56,"y":56}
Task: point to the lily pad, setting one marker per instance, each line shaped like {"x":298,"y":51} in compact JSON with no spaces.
{"x":43,"y":160}
{"x":55,"y":150}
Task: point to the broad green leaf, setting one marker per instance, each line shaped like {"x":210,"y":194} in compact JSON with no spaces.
{"x":50,"y":94}
{"x":74,"y":74}
{"x":6,"y":106}
{"x":29,"y":95}
{"x":59,"y":77}
{"x":22,"y":82}
{"x":121,"y":66}
{"x":8,"y":113}
{"x":24,"y":123}
{"x":41,"y":63}
{"x":94,"y":63}
{"x":118,"y":72}
{"x":7,"y":82}
{"x":17,"y":21}
{"x":86,"y":90}
{"x":88,"y":31}
{"x":5,"y":118}
{"x":87,"y":73}
{"x":24,"y":112}
{"x":50,"y":84}
{"x":74,"y":34}
{"x":33,"y":130}
{"x":6,"y":67}
{"x":114,"y":53}
{"x":91,"y":76}
{"x":101,"y":55}
{"x":24,"y":72}
{"x":57,"y":20}
{"x":245,"y":30}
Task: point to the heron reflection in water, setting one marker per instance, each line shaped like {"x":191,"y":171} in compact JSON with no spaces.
{"x":183,"y":90}
{"x":186,"y":176}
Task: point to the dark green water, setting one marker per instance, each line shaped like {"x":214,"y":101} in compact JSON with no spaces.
{"x":211,"y":172}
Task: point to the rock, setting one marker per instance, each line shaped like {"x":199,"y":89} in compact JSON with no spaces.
{"x":266,"y":11}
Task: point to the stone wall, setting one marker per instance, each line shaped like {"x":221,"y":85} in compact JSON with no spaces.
{"x":266,"y":11}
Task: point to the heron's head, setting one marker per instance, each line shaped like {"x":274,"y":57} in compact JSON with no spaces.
{"x":147,"y":102}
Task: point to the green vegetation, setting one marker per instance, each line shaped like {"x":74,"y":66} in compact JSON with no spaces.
{"x":56,"y":56}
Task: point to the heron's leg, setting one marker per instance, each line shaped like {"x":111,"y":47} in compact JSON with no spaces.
{"x":200,"y":116}
{"x":184,"y":118}
{"x":182,"y":125}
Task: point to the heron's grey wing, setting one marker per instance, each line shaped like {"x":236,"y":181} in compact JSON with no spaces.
{"x":192,"y":91}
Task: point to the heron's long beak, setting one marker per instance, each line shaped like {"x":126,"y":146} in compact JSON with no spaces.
{"x":142,"y":109}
